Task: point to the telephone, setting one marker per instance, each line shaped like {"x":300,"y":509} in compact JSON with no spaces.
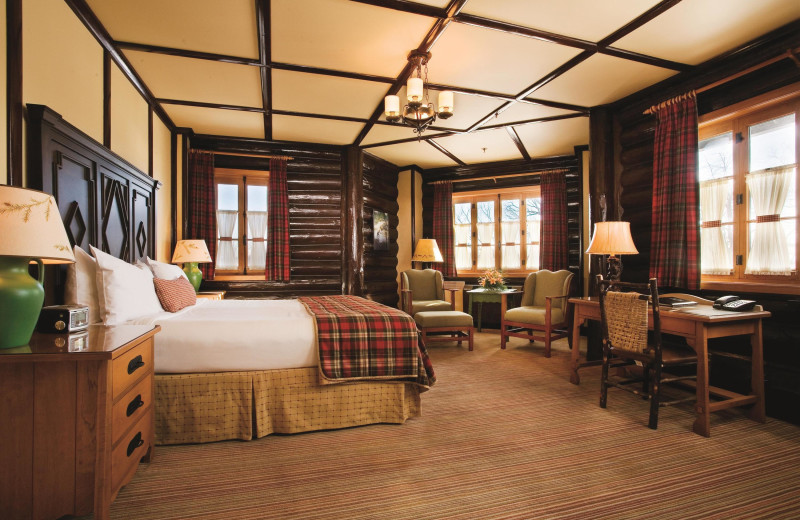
{"x":733,"y":303}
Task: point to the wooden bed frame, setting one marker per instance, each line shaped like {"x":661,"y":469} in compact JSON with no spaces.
{"x":107,"y":202}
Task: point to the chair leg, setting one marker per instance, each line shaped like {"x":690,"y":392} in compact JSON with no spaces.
{"x":470,"y":339}
{"x":604,"y":380}
{"x":547,"y":341}
{"x":655,"y":390}
{"x":503,"y":335}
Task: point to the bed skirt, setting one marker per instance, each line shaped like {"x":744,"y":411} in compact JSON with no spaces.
{"x":208,"y":407}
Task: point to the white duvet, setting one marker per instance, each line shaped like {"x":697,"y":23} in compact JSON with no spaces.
{"x":234,"y":335}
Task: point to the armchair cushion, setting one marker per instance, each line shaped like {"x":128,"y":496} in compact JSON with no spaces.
{"x":534,"y":315}
{"x":429,"y":305}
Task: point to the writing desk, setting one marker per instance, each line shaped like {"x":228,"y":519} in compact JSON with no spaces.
{"x":697,"y":324}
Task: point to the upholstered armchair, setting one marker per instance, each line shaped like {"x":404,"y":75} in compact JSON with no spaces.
{"x":544,"y":312}
{"x":422,"y":290}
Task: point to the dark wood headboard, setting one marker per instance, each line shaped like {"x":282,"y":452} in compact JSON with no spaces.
{"x":103,"y":200}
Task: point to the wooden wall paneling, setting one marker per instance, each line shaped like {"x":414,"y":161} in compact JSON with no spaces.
{"x":353,"y":272}
{"x":380,"y":193}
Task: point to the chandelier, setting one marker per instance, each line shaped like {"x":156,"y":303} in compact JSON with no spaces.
{"x":419,"y":113}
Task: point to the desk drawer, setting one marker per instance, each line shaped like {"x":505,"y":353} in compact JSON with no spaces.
{"x":131,"y":407}
{"x":131,"y":448}
{"x":131,"y":366}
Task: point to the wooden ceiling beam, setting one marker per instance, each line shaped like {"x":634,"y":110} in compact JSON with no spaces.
{"x":184,"y":53}
{"x":519,"y":30}
{"x":512,"y":133}
{"x":446,"y":152}
{"x":263,"y":17}
{"x":637,"y":22}
{"x":201,"y":104}
{"x":92,"y":23}
{"x":407,"y":7}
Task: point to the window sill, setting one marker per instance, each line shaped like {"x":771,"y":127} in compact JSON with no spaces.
{"x":751,"y":287}
{"x":238,"y":277}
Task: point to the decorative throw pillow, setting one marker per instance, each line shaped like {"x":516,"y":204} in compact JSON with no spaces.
{"x":175,"y":294}
{"x":164,"y":271}
{"x":81,"y":286}
{"x":124,"y":291}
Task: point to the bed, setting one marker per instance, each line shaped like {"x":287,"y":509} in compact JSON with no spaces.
{"x":106,"y":202}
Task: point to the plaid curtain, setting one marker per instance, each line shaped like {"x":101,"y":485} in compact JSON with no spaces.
{"x":443,"y":226}
{"x":553,"y":248}
{"x":277,"y":222}
{"x":202,"y":205}
{"x":675,"y":243}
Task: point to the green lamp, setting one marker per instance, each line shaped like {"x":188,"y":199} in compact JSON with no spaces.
{"x":190,"y":253}
{"x":31,"y":230}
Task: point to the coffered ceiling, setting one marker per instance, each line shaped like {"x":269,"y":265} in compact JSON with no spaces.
{"x":525,"y":72}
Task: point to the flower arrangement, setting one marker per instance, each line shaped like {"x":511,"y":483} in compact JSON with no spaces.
{"x":492,"y":280}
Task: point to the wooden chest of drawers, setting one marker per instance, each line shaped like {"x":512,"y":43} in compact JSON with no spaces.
{"x":78,"y":418}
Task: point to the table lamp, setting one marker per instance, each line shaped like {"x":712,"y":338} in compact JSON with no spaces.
{"x":612,"y":238}
{"x":190,"y":253}
{"x":427,"y":251}
{"x":31,"y":227}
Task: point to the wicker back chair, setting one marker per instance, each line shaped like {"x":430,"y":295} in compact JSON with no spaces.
{"x":624,"y":311}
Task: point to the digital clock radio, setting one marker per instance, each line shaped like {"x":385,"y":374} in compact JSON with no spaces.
{"x":63,"y":318}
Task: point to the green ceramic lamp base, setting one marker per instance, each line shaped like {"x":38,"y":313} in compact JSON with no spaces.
{"x":21,"y":299}
{"x":194,"y":274}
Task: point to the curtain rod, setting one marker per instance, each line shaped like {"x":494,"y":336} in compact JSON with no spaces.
{"x":790,"y":53}
{"x":284,"y":157}
{"x":495,"y":177}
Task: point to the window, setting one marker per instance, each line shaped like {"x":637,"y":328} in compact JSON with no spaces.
{"x":748,"y":195}
{"x":498,"y":229}
{"x":241,"y":205}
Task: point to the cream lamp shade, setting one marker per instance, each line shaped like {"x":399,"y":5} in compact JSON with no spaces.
{"x":31,"y":227}
{"x":427,"y":251}
{"x":31,"y":230}
{"x":191,"y":251}
{"x":612,"y":238}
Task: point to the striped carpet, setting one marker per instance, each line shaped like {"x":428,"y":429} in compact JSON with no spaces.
{"x":503,"y":435}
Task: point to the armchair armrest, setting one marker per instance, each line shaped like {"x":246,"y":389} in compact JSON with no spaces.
{"x":452,"y":297}
{"x":405,"y":301}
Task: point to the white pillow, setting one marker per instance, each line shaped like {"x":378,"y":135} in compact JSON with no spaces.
{"x":81,"y":287}
{"x":164,"y":271}
{"x":125,"y":291}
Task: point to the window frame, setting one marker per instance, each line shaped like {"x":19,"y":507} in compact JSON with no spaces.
{"x":737,"y":119}
{"x":243,"y":179}
{"x":497,"y":195}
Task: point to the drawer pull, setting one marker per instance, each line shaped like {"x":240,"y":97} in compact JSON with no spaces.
{"x":135,"y":364}
{"x":135,"y":443}
{"x":134,"y":405}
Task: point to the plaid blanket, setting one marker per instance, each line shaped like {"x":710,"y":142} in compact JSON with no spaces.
{"x":361,"y":339}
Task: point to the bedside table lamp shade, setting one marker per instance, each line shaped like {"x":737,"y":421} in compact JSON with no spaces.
{"x":190,"y":253}
{"x":612,"y":238}
{"x":31,"y":227}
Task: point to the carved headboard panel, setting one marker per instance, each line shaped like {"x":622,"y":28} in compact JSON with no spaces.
{"x":103,"y":199}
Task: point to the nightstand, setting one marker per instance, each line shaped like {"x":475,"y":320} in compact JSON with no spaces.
{"x":211,"y":295}
{"x":77,"y":419}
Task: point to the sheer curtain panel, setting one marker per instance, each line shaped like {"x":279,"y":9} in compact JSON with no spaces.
{"x":769,"y":251}
{"x":716,"y":252}
{"x":227,"y":253}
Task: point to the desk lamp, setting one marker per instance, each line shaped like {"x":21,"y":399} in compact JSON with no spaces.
{"x":612,"y":238}
{"x":31,"y":230}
